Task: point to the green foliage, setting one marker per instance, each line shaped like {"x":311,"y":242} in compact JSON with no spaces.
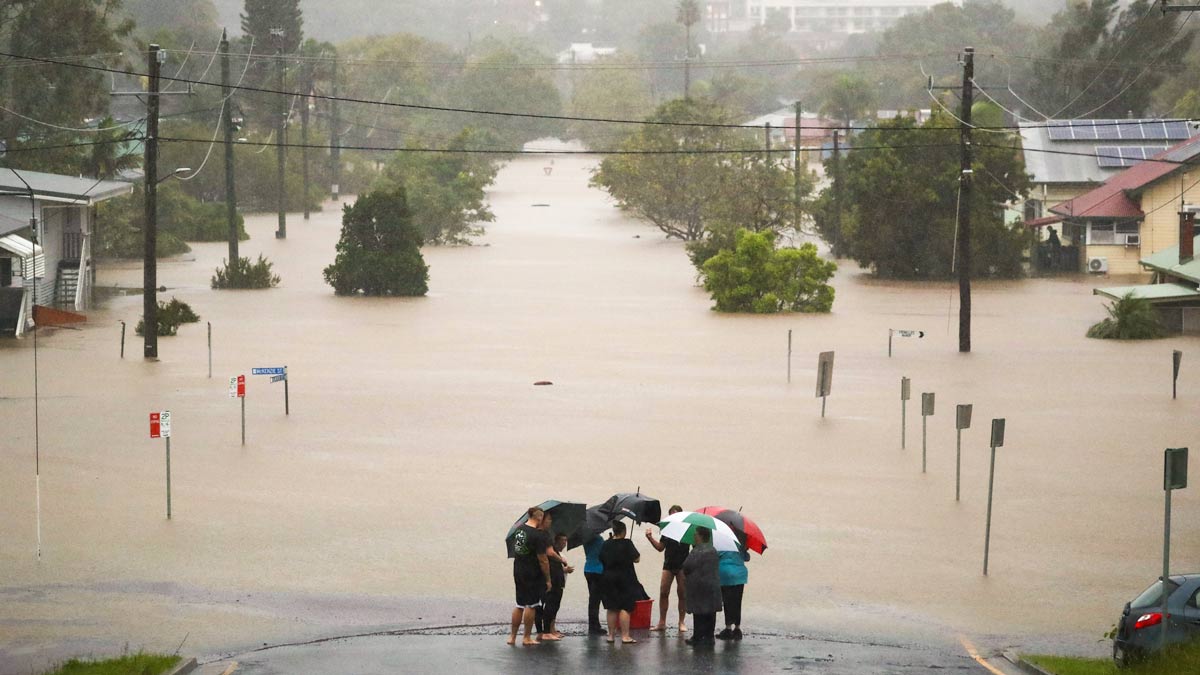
{"x":1129,"y":318}
{"x":898,"y":203}
{"x":1069,"y":665}
{"x":490,"y":82}
{"x":379,"y":251}
{"x":445,"y":190}
{"x":1180,"y":658}
{"x":133,"y":664}
{"x":847,"y":97}
{"x":757,"y":277}
{"x":688,"y":195}
{"x":607,"y":93}
{"x":181,"y":218}
{"x":170,"y":316}
{"x":244,"y":274}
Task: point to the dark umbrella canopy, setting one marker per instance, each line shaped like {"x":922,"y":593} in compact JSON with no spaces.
{"x":632,"y":505}
{"x":567,"y":519}
{"x":749,"y":535}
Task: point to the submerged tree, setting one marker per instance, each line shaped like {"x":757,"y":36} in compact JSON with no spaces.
{"x":1129,"y":318}
{"x":379,"y":252}
{"x":754,"y":276}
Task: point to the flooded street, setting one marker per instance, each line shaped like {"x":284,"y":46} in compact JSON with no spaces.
{"x":416,"y":437}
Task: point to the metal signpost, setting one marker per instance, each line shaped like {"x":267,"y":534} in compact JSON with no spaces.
{"x":1176,"y":359}
{"x":962,"y":420}
{"x":902,"y":333}
{"x":278,"y":374}
{"x":160,"y":427}
{"x":210,"y":349}
{"x":997,"y":441}
{"x":1174,"y":478}
{"x":905,"y":394}
{"x":237,"y":389}
{"x":824,"y":377}
{"x":926,"y":412}
{"x":122,"y":339}
{"x":789,"y":363}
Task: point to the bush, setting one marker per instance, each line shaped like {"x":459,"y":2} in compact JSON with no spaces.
{"x":379,"y":251}
{"x":756,"y":277}
{"x":245,"y":274}
{"x":1129,"y":318}
{"x":181,"y":218}
{"x":170,"y":316}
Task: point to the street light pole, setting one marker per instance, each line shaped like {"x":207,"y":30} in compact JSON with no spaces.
{"x":150,"y":228}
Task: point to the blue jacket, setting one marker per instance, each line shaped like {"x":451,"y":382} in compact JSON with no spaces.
{"x":733,"y":568}
{"x":591,"y":549}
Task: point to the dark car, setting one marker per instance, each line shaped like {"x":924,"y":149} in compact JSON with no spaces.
{"x":1139,"y":630}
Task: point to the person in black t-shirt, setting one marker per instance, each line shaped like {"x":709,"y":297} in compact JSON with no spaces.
{"x":621,"y":589}
{"x":674,"y":553}
{"x":548,"y":612}
{"x":531,"y":574}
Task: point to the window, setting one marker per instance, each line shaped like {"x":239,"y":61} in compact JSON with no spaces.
{"x":1152,"y":597}
{"x":1109,"y":232}
{"x":1033,"y":209}
{"x":1101,"y":233}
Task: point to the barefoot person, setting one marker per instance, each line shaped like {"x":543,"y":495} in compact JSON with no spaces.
{"x":543,"y":618}
{"x":621,"y":588}
{"x":531,"y":574}
{"x":674,"y":553}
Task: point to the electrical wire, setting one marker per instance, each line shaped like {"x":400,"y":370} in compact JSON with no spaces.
{"x":179,"y":71}
{"x":220,"y":119}
{"x":1167,"y":45}
{"x":122,"y":125}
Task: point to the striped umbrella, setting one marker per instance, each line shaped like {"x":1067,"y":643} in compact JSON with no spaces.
{"x":749,"y":535}
{"x":682,"y":528}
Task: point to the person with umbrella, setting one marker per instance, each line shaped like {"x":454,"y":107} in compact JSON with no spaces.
{"x":733,"y":575}
{"x":674,"y":553}
{"x":621,"y":589}
{"x":593,"y":572}
{"x":543,"y":620}
{"x":531,"y":573}
{"x":703,"y":580}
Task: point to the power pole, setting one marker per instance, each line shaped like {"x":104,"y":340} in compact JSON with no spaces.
{"x":307,"y":84}
{"x":767,"y":134}
{"x":335,"y":152}
{"x":150,"y":227}
{"x":837,"y":199}
{"x":964,"y":208}
{"x":280,"y":141}
{"x":687,"y":64}
{"x":227,"y":122}
{"x":796,"y":170}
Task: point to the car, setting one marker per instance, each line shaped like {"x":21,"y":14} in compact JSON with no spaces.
{"x":1139,"y":630}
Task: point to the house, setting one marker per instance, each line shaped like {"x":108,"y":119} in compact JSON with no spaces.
{"x":846,"y":17}
{"x":816,"y":132}
{"x":53,"y":269}
{"x":1115,"y":191}
{"x":1174,"y":288}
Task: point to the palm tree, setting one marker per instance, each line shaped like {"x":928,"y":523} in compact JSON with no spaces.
{"x":687,"y":12}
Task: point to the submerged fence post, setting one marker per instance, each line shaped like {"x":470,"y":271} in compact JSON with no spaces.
{"x":905,"y":394}
{"x":926,"y":411}
{"x":122,"y":339}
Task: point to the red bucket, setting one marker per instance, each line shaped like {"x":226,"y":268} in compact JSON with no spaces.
{"x":640,"y":618}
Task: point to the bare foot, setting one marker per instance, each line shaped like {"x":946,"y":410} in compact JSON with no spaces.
{"x":659,"y":627}
{"x":530,"y":642}
{"x":512,"y":640}
{"x":558,"y":635}
{"x":683,"y":628}
{"x":550,"y":638}
{"x":609,"y":640}
{"x":628,"y":641}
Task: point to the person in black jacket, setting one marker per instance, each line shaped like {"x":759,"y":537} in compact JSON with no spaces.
{"x":703,"y":588}
{"x":548,"y":612}
{"x":621,"y":587}
{"x":674,"y":553}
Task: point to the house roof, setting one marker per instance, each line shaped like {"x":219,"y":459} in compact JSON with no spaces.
{"x":1152,"y":292}
{"x":59,"y":188}
{"x":1113,"y":198}
{"x":1092,"y":151}
{"x":1167,"y":262}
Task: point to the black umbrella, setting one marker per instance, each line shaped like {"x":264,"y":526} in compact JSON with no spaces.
{"x":567,"y":519}
{"x":633,"y":505}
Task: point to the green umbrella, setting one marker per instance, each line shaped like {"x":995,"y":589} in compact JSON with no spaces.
{"x":568,"y":517}
{"x":682,"y":528}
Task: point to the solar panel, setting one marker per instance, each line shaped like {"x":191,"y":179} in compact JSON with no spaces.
{"x":1130,"y":130}
{"x":1155,"y":130}
{"x":1106,"y":130}
{"x":1085,"y":130}
{"x":1123,"y":156}
{"x":1059,"y":130}
{"x":1108,"y":157}
{"x":1178,"y":130}
{"x":1113,"y":130}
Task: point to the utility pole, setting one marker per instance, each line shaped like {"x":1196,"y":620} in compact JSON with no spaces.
{"x":964,"y":208}
{"x":837,"y":198}
{"x":335,"y":152}
{"x":280,"y":140}
{"x":150,"y":227}
{"x":304,"y":99}
{"x":227,"y":122}
{"x":767,"y":134}
{"x":796,"y":171}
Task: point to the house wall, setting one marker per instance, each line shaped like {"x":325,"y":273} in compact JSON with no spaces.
{"x":1122,"y":259}
{"x":1160,"y":201}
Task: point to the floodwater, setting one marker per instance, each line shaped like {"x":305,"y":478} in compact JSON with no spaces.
{"x":416,"y":436}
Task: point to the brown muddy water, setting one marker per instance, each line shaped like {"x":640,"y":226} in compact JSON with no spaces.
{"x":416,"y":436}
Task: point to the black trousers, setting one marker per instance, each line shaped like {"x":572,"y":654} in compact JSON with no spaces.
{"x":703,"y":626}
{"x":593,"y":582}
{"x":731,"y":597}
{"x":543,"y":619}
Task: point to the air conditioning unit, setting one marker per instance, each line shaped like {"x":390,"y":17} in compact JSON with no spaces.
{"x":1133,"y":240}
{"x":1098,"y":265}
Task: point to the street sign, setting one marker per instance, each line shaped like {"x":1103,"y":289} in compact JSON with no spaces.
{"x":274,"y":370}
{"x":927,"y":403}
{"x":278,"y":378}
{"x":998,"y":432}
{"x":155,"y":425}
{"x":1175,"y":462}
{"x":241,"y":386}
{"x":233,"y":387}
{"x":1176,"y":359}
{"x":911,"y":333}
{"x":905,"y":389}
{"x":962,"y":419}
{"x":165,"y":423}
{"x":824,"y":374}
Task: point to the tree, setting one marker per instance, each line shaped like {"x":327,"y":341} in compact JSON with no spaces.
{"x":899,"y":201}
{"x":1129,"y":318}
{"x":490,"y":81}
{"x":187,"y":17}
{"x":757,"y":277}
{"x":274,"y":24}
{"x":847,"y":96}
{"x":379,"y":252}
{"x":608,"y":93}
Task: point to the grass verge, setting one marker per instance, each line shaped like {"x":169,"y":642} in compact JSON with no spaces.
{"x":132,"y":664}
{"x":1176,"y":660}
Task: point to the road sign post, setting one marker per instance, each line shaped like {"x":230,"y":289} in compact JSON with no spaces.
{"x":210,"y":349}
{"x":278,"y":374}
{"x":905,"y":394}
{"x":237,"y":389}
{"x":160,"y":427}
{"x":926,"y":411}
{"x":824,"y":377}
{"x":996,"y":442}
{"x":1176,"y":359}
{"x":1174,"y":478}
{"x":789,"y":360}
{"x":902,"y":333}
{"x":122,"y":339}
{"x":962,"y":420}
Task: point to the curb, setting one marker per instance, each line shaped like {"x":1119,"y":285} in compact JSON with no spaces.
{"x":185,"y":666}
{"x":1024,"y":665}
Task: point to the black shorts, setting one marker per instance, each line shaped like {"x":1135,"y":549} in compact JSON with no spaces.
{"x":530,"y":592}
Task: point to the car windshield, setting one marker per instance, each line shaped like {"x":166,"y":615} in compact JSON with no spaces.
{"x":1152,"y":597}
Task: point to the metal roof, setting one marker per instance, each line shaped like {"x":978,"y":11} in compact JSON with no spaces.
{"x":1114,"y":198}
{"x":1043,"y":142}
{"x":59,"y":188}
{"x":1151,"y":292}
{"x":1167,"y":262}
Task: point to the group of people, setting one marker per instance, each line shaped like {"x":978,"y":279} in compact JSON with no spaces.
{"x":707,"y":582}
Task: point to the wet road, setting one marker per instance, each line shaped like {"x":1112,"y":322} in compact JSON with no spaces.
{"x":416,"y":436}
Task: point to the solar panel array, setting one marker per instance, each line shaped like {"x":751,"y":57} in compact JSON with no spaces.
{"x":1120,"y":156}
{"x":1118,"y":130}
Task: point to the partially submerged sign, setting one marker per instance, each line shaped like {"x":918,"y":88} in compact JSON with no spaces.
{"x":824,"y":374}
{"x":962,"y":418}
{"x":1175,"y":461}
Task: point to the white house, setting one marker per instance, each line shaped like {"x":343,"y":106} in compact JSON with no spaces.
{"x":52,"y":267}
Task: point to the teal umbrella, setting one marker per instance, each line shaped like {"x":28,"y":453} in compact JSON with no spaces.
{"x":567,"y":518}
